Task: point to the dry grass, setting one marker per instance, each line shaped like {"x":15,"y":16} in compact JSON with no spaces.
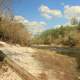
{"x":13,"y":32}
{"x":56,"y":66}
{"x":6,"y":73}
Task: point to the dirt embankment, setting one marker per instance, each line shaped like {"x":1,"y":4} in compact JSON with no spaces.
{"x":6,"y":73}
{"x":42,"y":64}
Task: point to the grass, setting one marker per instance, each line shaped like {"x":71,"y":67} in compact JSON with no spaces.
{"x":75,"y":53}
{"x":56,"y":65}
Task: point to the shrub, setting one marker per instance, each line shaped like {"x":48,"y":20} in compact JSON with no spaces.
{"x":70,"y":41}
{"x":13,"y":32}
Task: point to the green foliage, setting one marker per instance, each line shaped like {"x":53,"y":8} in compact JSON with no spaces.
{"x":64,"y":35}
{"x":70,"y":41}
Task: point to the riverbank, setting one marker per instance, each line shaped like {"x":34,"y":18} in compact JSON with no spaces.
{"x":42,"y":64}
{"x":6,"y":73}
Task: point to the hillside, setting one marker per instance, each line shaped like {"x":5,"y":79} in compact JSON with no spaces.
{"x":63,"y":36}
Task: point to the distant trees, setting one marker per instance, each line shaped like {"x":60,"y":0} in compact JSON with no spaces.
{"x":49,"y":36}
{"x":74,"y":20}
{"x":67,"y":36}
{"x":70,"y":41}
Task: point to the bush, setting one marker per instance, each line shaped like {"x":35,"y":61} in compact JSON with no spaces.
{"x":13,"y":32}
{"x":71,"y":42}
{"x":64,"y":35}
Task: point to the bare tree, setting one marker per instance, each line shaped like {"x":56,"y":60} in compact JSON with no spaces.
{"x":6,"y":9}
{"x":74,"y":20}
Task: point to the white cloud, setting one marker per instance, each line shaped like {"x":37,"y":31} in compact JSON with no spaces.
{"x":18,"y":18}
{"x":72,"y":11}
{"x":33,"y":26}
{"x":57,"y":26}
{"x":49,"y":13}
{"x":36,"y":24}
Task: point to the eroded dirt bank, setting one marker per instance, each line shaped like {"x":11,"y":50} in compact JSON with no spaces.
{"x":6,"y":73}
{"x":44,"y":65}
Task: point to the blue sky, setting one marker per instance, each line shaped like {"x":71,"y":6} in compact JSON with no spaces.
{"x":30,"y":10}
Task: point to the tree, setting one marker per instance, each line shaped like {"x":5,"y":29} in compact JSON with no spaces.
{"x":74,"y":20}
{"x":6,"y":9}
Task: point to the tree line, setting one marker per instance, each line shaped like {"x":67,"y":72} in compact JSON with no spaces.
{"x":64,"y":35}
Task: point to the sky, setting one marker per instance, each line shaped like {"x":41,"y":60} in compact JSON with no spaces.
{"x":45,"y":13}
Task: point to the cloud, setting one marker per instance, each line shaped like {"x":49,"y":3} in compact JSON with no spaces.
{"x":57,"y":26}
{"x":72,"y":11}
{"x":49,"y":13}
{"x":68,"y":12}
{"x":20,"y":19}
{"x":36,"y":24}
{"x":33,"y":26}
